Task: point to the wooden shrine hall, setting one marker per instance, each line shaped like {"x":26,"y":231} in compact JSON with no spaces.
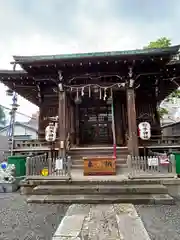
{"x":99,"y":98}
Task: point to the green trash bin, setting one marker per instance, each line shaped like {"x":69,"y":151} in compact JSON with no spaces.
{"x":20,"y":164}
{"x":177,"y":160}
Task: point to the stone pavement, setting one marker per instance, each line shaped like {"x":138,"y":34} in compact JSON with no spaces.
{"x":101,"y":222}
{"x":22,"y":221}
{"x":162,"y":222}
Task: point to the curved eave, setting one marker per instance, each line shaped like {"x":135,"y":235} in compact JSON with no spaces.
{"x":20,"y":82}
{"x":12,"y":73}
{"x":97,"y":55}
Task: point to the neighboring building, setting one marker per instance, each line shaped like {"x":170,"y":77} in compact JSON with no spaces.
{"x":173,"y":111}
{"x":172,"y":129}
{"x":34,"y":121}
{"x":22,"y":131}
{"x":2,"y":125}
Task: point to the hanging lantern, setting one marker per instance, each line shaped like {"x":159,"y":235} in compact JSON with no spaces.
{"x":9,"y":92}
{"x":78,"y":100}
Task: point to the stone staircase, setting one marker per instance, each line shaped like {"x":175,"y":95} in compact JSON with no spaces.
{"x":96,"y":192}
{"x":77,"y":155}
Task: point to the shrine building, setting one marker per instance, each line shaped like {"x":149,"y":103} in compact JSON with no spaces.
{"x":100,"y":98}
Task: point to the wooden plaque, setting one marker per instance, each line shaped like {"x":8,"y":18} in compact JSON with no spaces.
{"x":99,"y":166}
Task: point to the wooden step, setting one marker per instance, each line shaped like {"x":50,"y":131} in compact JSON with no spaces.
{"x":68,"y":189}
{"x":100,"y":199}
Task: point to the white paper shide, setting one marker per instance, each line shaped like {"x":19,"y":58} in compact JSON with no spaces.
{"x":59,"y":164}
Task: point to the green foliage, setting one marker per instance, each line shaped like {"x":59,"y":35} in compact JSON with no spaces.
{"x":174,"y":94}
{"x":162,"y":112}
{"x":159,"y":43}
{"x":163,"y":42}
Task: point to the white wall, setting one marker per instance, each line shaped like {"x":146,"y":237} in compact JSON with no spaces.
{"x":21,"y":130}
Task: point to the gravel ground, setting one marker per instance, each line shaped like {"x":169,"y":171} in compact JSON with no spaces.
{"x":20,"y":221}
{"x":161,"y":222}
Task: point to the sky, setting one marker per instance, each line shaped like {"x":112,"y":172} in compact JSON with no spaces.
{"x":70,"y":26}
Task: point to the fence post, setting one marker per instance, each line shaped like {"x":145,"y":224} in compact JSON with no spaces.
{"x":50,"y":161}
{"x":173,"y":164}
{"x":69,"y":166}
{"x":129,"y":163}
{"x":28,"y":166}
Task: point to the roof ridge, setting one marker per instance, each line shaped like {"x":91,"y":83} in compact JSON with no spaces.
{"x":95,"y":54}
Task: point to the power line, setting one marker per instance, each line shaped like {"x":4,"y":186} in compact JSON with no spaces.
{"x":23,"y":114}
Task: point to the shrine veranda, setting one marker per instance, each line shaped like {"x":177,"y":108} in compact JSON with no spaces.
{"x":99,"y":98}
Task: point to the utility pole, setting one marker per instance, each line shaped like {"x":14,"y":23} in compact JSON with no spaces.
{"x":14,"y":107}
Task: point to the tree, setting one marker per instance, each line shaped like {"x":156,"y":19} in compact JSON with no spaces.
{"x":173,"y":95}
{"x":162,"y":111}
{"x":162,"y":42}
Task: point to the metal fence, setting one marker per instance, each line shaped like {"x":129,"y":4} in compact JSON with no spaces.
{"x":151,"y":167}
{"x":46,"y":165}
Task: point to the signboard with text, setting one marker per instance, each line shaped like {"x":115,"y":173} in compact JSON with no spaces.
{"x":99,"y":166}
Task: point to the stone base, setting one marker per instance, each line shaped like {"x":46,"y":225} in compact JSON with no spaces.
{"x":103,"y":199}
{"x":8,"y":187}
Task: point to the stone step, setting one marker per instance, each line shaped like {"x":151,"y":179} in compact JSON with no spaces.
{"x":164,"y":199}
{"x":90,"y":180}
{"x":80,"y":161}
{"x":96,"y":153}
{"x":99,"y":189}
{"x":109,"y":153}
{"x":80,"y":158}
{"x":81,"y":166}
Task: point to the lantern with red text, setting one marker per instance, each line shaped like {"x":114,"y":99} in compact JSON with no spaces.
{"x":50,"y":132}
{"x":144,"y":129}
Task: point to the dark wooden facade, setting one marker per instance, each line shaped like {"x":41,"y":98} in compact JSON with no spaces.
{"x":136,"y":81}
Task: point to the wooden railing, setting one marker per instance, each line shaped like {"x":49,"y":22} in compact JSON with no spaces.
{"x":151,"y":166}
{"x":40,"y":144}
{"x":51,"y":164}
{"x":36,"y":145}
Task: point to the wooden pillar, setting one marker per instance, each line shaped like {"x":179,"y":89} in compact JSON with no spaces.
{"x":77,"y":124}
{"x":72,"y":127}
{"x":132,"y":125}
{"x":62,"y":124}
{"x":118,"y":121}
{"x":41,"y":131}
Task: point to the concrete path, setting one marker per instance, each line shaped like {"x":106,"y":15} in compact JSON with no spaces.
{"x":101,"y":222}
